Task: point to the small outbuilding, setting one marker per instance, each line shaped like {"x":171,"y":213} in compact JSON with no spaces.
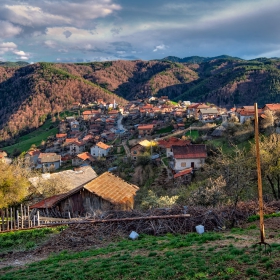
{"x":106,"y":192}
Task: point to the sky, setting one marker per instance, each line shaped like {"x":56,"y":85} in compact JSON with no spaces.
{"x":100,"y":30}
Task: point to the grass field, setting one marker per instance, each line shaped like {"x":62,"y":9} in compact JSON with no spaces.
{"x":193,"y":134}
{"x":165,"y":129}
{"x":34,"y":137}
{"x":226,"y":147}
{"x":208,"y":256}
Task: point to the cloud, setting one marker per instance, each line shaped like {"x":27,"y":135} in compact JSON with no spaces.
{"x":8,"y":29}
{"x":67,"y":33}
{"x":116,"y":30}
{"x":160,"y":48}
{"x":11,"y":47}
{"x":39,"y":15}
{"x":7,"y":47}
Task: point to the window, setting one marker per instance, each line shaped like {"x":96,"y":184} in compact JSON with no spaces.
{"x":183,"y":164}
{"x":135,"y":152}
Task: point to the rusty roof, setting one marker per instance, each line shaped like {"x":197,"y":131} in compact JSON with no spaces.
{"x":183,"y":172}
{"x":61,"y":135}
{"x":190,"y":151}
{"x":112,"y":188}
{"x":48,"y":202}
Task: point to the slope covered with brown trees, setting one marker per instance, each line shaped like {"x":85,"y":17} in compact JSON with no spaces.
{"x":30,"y":94}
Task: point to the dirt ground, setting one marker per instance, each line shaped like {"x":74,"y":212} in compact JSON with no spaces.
{"x":74,"y":239}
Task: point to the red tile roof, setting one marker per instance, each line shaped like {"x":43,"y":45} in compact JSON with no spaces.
{"x":34,"y":152}
{"x":62,"y":135}
{"x":273,"y":107}
{"x":190,"y":151}
{"x":183,"y":172}
{"x":145,"y":126}
{"x":173,"y":141}
{"x":102,"y":145}
{"x":85,"y":156}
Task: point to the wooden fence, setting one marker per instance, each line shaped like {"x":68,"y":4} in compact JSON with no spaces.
{"x":24,"y":218}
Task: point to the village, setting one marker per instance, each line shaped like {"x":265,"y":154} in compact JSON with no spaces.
{"x":98,"y":148}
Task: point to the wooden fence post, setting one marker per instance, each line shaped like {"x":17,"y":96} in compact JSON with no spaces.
{"x":38,"y":217}
{"x":7,"y":218}
{"x":21,"y":214}
{"x":17,"y":219}
{"x":2,"y":216}
{"x":28,"y":216}
{"x":11,"y":216}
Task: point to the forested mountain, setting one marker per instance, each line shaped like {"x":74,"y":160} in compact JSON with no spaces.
{"x":30,"y":93}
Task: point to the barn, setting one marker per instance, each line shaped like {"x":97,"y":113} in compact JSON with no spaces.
{"x":106,"y":192}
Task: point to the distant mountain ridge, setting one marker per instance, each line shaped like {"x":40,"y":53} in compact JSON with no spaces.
{"x":13,"y":64}
{"x":197,"y":59}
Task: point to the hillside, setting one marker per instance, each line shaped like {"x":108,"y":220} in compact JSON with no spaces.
{"x":30,"y":94}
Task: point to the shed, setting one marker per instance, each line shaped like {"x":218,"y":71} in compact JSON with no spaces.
{"x":106,"y":192}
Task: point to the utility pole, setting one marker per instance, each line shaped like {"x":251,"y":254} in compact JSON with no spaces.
{"x":260,"y":193}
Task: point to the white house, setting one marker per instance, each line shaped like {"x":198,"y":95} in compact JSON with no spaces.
{"x":76,"y":147}
{"x":189,"y":156}
{"x":100,"y":149}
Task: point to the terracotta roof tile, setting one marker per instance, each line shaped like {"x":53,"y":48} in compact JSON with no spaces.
{"x":190,"y":151}
{"x":173,"y":141}
{"x":183,"y":172}
{"x":145,"y":126}
{"x":85,"y":156}
{"x":102,"y":145}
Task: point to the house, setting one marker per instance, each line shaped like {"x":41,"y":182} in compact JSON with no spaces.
{"x":32,"y":156}
{"x":138,"y":150}
{"x":105,"y":192}
{"x":100,"y":149}
{"x":48,"y":161}
{"x":208,"y":113}
{"x":61,"y":137}
{"x":194,"y":108}
{"x":272,"y":107}
{"x":76,"y":147}
{"x":246,"y":114}
{"x":145,"y":129}
{"x":83,"y":159}
{"x":87,"y":115}
{"x":172,"y":141}
{"x":188,"y":156}
{"x":182,"y":177}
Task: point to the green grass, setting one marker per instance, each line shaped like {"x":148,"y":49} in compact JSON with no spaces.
{"x":193,"y":134}
{"x":25,"y":239}
{"x":266,"y":216}
{"x":226,"y":147}
{"x":34,"y":137}
{"x":156,"y":257}
{"x":165,"y":129}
